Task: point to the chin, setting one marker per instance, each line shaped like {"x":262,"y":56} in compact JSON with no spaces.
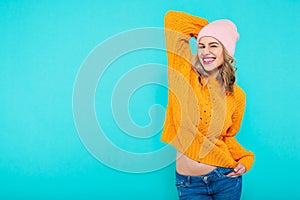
{"x":209,"y":69}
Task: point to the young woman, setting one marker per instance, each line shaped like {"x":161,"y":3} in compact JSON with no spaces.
{"x":205,"y":108}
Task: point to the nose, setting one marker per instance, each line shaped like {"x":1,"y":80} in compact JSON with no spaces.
{"x":204,"y":51}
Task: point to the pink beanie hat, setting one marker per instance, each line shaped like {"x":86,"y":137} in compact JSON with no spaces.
{"x":223,"y":30}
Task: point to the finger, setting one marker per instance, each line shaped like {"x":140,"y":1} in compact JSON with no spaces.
{"x":238,"y":167}
{"x":232,"y":174}
{"x":239,"y":170}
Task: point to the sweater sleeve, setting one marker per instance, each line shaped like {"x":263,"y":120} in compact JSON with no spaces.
{"x":169,"y":130}
{"x":179,"y":28}
{"x":240,"y":154}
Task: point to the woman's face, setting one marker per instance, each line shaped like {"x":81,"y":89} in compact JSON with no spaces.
{"x":210,"y":54}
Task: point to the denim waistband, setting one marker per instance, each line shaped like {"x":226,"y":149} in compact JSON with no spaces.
{"x":215,"y":174}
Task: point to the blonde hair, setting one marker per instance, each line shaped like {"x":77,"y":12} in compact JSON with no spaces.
{"x":226,"y":75}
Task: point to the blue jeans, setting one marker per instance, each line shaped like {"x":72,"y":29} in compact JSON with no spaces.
{"x":214,"y":186}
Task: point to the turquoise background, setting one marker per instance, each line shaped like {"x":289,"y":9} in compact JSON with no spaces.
{"x":44,"y":43}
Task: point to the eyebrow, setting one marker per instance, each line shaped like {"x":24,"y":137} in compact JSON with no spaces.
{"x":211,"y":43}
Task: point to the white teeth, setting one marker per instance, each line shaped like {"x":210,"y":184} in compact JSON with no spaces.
{"x":208,"y":59}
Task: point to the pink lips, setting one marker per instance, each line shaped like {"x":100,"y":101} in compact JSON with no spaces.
{"x":208,"y":60}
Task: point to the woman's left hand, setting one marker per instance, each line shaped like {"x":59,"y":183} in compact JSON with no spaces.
{"x":238,"y":170}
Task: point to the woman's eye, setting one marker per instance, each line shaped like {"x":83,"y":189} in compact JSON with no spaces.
{"x":201,"y":47}
{"x":214,"y":46}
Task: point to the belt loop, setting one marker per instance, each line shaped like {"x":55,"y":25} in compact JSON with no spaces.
{"x":218,"y":172}
{"x":189,"y":179}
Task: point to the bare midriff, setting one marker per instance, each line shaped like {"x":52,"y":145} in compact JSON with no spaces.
{"x":190,"y":167}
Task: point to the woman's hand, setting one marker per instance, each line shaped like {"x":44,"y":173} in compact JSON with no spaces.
{"x":238,"y":170}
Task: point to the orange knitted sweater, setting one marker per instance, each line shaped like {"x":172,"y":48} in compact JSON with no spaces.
{"x":200,"y":121}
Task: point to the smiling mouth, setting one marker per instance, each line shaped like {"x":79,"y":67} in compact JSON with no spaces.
{"x":208,"y":60}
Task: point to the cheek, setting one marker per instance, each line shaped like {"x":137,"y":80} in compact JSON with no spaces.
{"x":220,"y":62}
{"x":220,"y":57}
{"x":218,"y":52}
{"x":199,"y":55}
